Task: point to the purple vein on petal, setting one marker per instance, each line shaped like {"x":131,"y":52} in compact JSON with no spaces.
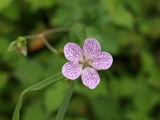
{"x":72,"y":70}
{"x":72,"y":51}
{"x":103,"y":61}
{"x":90,"y":77}
{"x":91,"y":48}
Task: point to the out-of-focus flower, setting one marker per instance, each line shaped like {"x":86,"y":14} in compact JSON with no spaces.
{"x":19,"y":45}
{"x":86,"y":62}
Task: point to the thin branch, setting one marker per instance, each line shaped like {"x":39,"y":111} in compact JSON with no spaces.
{"x":55,"y":30}
{"x":41,"y":35}
{"x":48,"y":45}
{"x":47,"y":32}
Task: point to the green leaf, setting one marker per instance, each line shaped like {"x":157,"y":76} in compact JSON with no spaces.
{"x":63,"y":17}
{"x":123,"y":87}
{"x":24,"y":49}
{"x":52,"y":61}
{"x":37,"y":4}
{"x":123,"y":18}
{"x":12,"y":46}
{"x":80,"y":32}
{"x":119,"y":14}
{"x":54,"y":96}
{"x":5,"y":4}
{"x":21,"y":40}
{"x":107,"y":39}
{"x":29,"y":113}
{"x":37,"y":86}
{"x":64,"y":105}
{"x":29,"y":72}
{"x":4,"y":79}
{"x":19,"y":45}
{"x":105,"y":108}
{"x":100,"y":90}
{"x":12,"y":13}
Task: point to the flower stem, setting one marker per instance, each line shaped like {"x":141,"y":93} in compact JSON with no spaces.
{"x":41,"y":36}
{"x":65,"y":102}
{"x":46,"y":32}
{"x":48,"y":45}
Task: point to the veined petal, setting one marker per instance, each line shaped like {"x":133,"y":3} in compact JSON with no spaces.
{"x":72,"y":52}
{"x":91,"y":48}
{"x":90,"y":77}
{"x":72,"y":70}
{"x":103,"y":61}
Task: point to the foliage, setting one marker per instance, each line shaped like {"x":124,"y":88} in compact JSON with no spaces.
{"x":128,"y":29}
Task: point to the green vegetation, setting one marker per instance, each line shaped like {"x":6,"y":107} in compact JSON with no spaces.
{"x":128,"y":29}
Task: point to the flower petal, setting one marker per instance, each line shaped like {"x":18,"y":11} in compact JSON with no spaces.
{"x":103,"y":61}
{"x":91,"y":48}
{"x":72,"y":52}
{"x":90,"y":77}
{"x":72,"y":70}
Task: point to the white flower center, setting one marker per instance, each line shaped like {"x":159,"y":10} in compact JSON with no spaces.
{"x":86,"y":62}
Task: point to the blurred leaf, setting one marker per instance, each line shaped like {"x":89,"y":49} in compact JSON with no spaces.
{"x":4,"y":79}
{"x":12,"y":46}
{"x":37,"y":86}
{"x":106,"y":109}
{"x":107,"y":39}
{"x":126,"y":38}
{"x":123,"y":87}
{"x":23,"y":49}
{"x":4,"y":43}
{"x":12,"y":12}
{"x":68,"y":13}
{"x":65,"y":102}
{"x":120,"y":15}
{"x":54,"y":96}
{"x":29,"y":113}
{"x":154,"y":78}
{"x":123,"y":18}
{"x":55,"y":64}
{"x":151,"y":28}
{"x":78,"y":106}
{"x":100,"y":90}
{"x":138,"y":116}
{"x":37,"y":4}
{"x":79,"y":31}
{"x":5,"y":4}
{"x":148,"y":63}
{"x":136,"y":6}
{"x":19,"y":45}
{"x":29,"y":72}
{"x":144,"y":98}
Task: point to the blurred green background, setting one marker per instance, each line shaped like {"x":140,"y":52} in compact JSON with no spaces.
{"x":128,"y":29}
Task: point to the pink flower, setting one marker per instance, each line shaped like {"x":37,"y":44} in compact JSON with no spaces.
{"x":86,"y":62}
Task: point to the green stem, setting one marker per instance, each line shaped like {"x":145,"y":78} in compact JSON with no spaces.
{"x":48,"y":45}
{"x":37,"y":86}
{"x":65,"y":102}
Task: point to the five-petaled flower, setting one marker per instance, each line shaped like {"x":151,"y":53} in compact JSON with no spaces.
{"x":86,"y":62}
